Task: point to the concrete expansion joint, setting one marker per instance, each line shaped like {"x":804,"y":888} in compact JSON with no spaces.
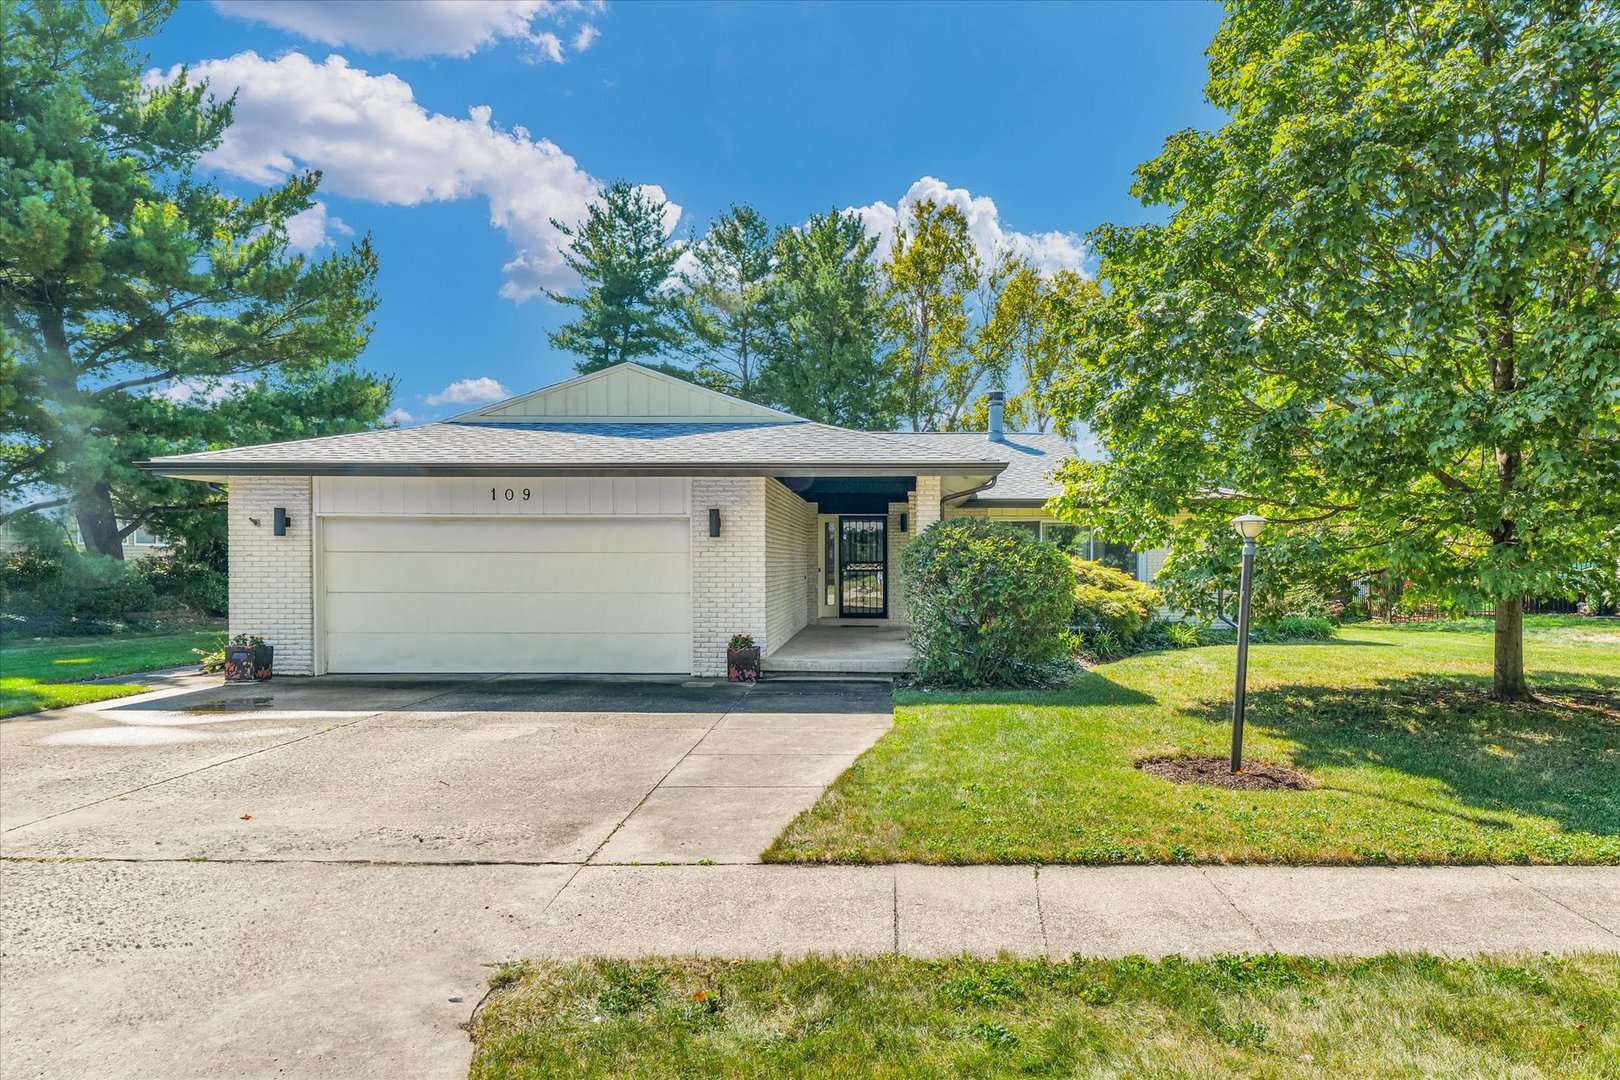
{"x":894,"y":882}
{"x":226,"y":761}
{"x":1204,"y":873}
{"x":1040,"y":915}
{"x":731,"y":707}
{"x":1508,"y":872}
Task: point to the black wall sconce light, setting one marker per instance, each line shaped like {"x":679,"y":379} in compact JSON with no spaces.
{"x":280,"y":522}
{"x":902,"y":523}
{"x":714,"y":522}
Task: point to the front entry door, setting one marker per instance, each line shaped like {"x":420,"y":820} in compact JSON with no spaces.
{"x":863,"y":567}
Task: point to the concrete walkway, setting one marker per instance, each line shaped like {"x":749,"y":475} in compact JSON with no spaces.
{"x":332,"y":969}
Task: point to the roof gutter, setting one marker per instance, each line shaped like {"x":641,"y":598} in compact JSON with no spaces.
{"x":1010,"y":504}
{"x":209,"y":470}
{"x":968,"y":494}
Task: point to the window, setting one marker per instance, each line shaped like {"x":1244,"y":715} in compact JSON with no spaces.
{"x":1027,"y":526}
{"x":142,"y":538}
{"x":1072,"y":539}
{"x":829,"y":569}
{"x":1109,"y":553}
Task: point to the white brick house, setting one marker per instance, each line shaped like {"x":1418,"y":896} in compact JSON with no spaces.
{"x":623,"y":521}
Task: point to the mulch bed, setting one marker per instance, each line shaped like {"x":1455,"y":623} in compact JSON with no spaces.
{"x":1217,"y":772}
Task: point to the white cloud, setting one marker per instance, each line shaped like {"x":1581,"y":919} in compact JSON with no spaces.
{"x":397,"y":416}
{"x":469,"y":392}
{"x":201,"y":391}
{"x":373,"y":141}
{"x":586,"y":36}
{"x":423,"y":27}
{"x":549,"y":46}
{"x":313,"y":229}
{"x":1048,"y":251}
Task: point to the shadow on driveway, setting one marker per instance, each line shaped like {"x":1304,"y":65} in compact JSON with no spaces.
{"x":532,"y":694}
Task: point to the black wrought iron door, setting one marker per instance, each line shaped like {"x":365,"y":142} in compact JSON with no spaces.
{"x":863,"y":567}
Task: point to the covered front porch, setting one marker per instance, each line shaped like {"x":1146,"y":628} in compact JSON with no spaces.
{"x":832,"y":647}
{"x":835,"y":597}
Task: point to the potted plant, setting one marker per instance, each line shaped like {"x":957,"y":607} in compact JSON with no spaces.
{"x":248,"y":659}
{"x":742,"y":659}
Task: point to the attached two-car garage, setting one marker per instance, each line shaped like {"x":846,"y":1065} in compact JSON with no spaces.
{"x":506,"y":594}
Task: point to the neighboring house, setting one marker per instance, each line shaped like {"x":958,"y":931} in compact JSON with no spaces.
{"x":139,"y":544}
{"x":623,"y":521}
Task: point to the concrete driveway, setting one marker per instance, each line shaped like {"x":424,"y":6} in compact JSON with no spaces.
{"x":310,"y":877}
{"x":504,"y":770}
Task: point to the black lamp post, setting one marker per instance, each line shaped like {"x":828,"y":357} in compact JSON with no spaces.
{"x":1248,"y":526}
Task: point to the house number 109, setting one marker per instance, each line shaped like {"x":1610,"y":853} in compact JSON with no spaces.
{"x":509,"y":494}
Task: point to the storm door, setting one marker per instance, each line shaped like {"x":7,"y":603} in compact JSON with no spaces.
{"x":863,"y":567}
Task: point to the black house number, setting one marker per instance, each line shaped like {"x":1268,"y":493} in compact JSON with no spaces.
{"x":508,"y":494}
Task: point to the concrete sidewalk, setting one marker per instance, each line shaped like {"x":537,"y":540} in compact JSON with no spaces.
{"x":312,"y":969}
{"x":1096,"y":911}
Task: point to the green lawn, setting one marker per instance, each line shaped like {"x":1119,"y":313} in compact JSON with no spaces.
{"x":39,"y":674}
{"x":1416,"y":764}
{"x":1396,"y":1016}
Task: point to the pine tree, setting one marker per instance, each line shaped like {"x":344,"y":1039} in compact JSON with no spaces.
{"x":625,"y":258}
{"x":143,"y":311}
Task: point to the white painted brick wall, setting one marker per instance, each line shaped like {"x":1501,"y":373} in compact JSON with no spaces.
{"x":897,"y":546}
{"x":728,"y":571}
{"x":272,"y":578}
{"x":927,"y":497}
{"x":790,"y":525}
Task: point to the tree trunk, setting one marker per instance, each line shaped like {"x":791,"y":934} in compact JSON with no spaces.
{"x":1508,"y":678}
{"x":98,"y":527}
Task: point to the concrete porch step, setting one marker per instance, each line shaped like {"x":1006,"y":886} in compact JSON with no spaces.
{"x":833,"y":666}
{"x":842,"y":650}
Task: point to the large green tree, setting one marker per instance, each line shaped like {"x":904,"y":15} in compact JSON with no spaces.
{"x":1027,"y":336}
{"x":728,"y":301}
{"x":144,"y":311}
{"x":1382,"y":311}
{"x":629,"y":308}
{"x":823,"y":358}
{"x":933,"y":274}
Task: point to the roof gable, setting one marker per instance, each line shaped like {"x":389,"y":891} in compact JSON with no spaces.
{"x":624,"y":393}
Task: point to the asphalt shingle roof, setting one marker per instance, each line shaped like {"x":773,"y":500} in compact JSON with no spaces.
{"x":581,"y":446}
{"x":1030,"y":458}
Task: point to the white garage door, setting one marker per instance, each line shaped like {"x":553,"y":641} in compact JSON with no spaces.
{"x":449,"y":595}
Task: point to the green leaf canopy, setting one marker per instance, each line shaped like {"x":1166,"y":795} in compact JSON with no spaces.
{"x":1382,"y":311}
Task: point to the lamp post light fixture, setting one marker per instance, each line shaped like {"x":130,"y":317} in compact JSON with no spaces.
{"x":1248,"y":527}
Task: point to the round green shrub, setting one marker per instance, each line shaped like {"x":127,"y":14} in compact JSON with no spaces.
{"x":1111,"y":600}
{"x":988,"y":604}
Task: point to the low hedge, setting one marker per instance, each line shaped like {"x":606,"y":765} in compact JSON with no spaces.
{"x":51,"y":588}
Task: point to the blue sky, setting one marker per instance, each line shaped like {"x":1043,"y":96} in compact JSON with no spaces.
{"x":452,"y":134}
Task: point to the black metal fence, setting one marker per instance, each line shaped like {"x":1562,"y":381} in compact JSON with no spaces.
{"x":1388,"y":610}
